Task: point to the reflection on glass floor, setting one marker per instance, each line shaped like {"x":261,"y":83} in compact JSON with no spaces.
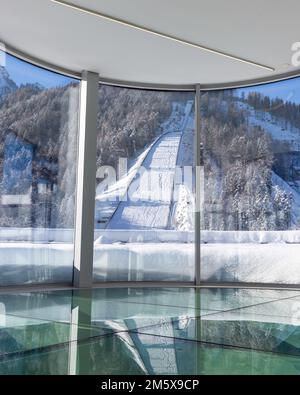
{"x":150,"y":331}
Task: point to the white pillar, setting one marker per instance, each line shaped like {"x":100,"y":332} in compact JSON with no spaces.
{"x":198,"y":185}
{"x":86,"y":181}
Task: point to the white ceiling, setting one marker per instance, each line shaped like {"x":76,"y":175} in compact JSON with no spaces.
{"x":261,"y":31}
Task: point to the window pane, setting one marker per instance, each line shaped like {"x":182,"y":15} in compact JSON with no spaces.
{"x":144,"y":217}
{"x":38,"y":148}
{"x":251,"y":184}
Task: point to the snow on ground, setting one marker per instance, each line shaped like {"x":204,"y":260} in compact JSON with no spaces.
{"x":110,"y":236}
{"x":231,"y":262}
{"x":150,"y":194}
{"x":257,"y":263}
{"x":295,"y":208}
{"x":271,"y":125}
{"x":22,"y":263}
{"x":107,"y":202}
{"x":183,"y":203}
{"x":148,"y":262}
{"x":186,"y":151}
{"x":183,"y":212}
{"x":36,"y":235}
{"x":254,"y":237}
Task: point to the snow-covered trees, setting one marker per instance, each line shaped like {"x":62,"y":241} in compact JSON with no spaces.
{"x":280,"y":109}
{"x":282,"y":208}
{"x":7,"y":85}
{"x":47,"y":121}
{"x":238,"y":162}
{"x":128,"y":120}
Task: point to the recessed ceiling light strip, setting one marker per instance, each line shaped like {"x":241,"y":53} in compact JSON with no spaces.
{"x":159,"y":34}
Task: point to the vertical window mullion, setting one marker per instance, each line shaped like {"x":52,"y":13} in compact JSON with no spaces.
{"x":197,"y":182}
{"x":86,"y":176}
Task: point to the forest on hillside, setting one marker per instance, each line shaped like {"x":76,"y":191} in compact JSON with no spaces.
{"x":238,"y":158}
{"x":47,"y":119}
{"x":277,"y":107}
{"x":238,"y":162}
{"x":129,"y":120}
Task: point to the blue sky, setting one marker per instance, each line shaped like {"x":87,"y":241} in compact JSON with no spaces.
{"x":288,"y":90}
{"x":22,"y":72}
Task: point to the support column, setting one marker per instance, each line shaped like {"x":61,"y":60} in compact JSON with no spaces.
{"x":80,"y":331}
{"x":198,"y":183}
{"x":86,"y":181}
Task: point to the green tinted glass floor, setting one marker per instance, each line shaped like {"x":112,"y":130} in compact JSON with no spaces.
{"x":150,"y":331}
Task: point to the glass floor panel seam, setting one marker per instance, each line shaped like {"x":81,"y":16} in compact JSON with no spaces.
{"x":214,"y":311}
{"x":212,"y":332}
{"x":213,"y":344}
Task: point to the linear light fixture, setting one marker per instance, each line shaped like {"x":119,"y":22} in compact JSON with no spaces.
{"x":160,"y":34}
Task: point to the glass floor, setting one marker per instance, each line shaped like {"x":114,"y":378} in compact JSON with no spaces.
{"x":144,"y":331}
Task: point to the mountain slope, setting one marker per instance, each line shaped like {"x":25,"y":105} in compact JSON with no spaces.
{"x":6,"y":84}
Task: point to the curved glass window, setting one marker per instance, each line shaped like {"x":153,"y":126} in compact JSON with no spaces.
{"x":249,"y":181}
{"x":250,"y":144}
{"x":38,"y":149}
{"x":144,"y":217}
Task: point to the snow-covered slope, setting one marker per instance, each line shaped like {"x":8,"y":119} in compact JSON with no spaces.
{"x":107,"y":199}
{"x":149,"y":196}
{"x":142,"y":199}
{"x":183,"y":205}
{"x":251,"y":262}
{"x":283,"y":132}
{"x":295,"y":209}
{"x":278,"y":131}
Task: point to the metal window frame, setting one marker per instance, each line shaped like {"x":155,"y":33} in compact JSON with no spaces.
{"x":150,"y":86}
{"x":197,"y":186}
{"x":142,"y":284}
{"x":85,"y":188}
{"x":86,"y":181}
